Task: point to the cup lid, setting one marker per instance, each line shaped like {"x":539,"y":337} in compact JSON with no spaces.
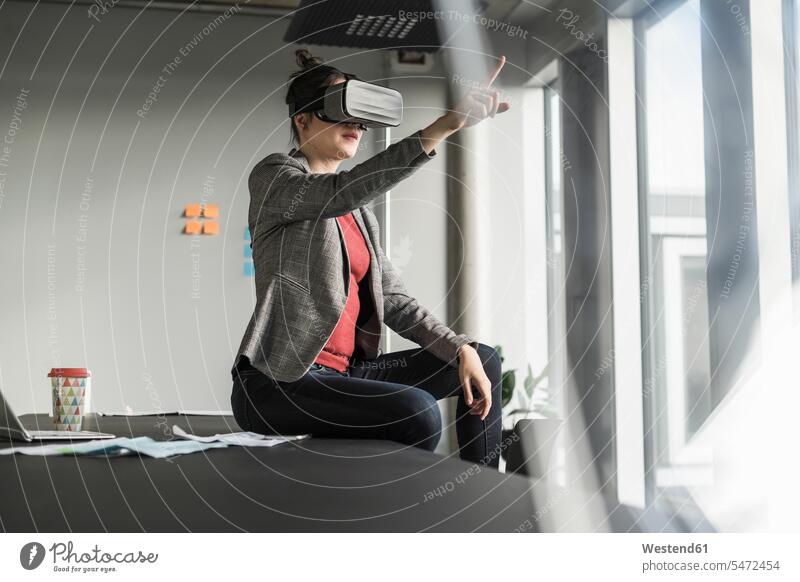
{"x":69,"y":372}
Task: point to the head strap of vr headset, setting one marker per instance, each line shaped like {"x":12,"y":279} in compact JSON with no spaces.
{"x":315,"y":102}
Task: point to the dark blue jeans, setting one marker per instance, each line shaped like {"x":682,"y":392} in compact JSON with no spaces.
{"x":390,"y":397}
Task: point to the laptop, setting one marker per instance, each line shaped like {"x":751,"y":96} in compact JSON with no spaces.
{"x":12,"y":428}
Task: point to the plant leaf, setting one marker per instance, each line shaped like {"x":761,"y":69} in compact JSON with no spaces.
{"x":530,"y":383}
{"x":509,"y":381}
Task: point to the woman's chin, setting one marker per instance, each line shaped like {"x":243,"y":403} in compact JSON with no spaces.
{"x":346,"y":151}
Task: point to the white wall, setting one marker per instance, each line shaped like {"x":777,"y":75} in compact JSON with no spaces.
{"x":150,"y":340}
{"x":418,"y":207}
{"x":516,"y":262}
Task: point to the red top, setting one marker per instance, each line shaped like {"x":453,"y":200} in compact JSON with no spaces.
{"x":336,"y":353}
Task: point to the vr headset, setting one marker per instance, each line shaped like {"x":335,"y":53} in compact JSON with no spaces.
{"x":353,"y":101}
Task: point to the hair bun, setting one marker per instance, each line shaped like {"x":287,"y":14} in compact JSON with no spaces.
{"x":306,"y":60}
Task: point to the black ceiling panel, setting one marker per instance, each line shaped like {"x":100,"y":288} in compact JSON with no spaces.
{"x":368,"y":24}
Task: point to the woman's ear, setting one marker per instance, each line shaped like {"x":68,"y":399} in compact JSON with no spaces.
{"x":301,"y":121}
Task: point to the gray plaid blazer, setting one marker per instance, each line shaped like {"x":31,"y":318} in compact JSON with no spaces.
{"x":302,"y":270}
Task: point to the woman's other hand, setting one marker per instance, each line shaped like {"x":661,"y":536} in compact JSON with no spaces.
{"x":471,"y":374}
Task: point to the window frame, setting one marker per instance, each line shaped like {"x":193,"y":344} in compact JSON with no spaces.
{"x":556,"y":314}
{"x":791,"y":26}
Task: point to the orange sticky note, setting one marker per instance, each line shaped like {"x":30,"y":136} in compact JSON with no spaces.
{"x":211,"y":227}
{"x":192,"y":227}
{"x":192,"y":210}
{"x":211,"y":210}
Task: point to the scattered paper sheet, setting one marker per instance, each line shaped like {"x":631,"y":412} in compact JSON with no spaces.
{"x":145,"y":445}
{"x":241,"y":439}
{"x":117,"y":447}
{"x":130,"y":412}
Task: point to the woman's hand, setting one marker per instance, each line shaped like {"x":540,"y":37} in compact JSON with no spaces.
{"x":470,"y":372}
{"x":478,"y":104}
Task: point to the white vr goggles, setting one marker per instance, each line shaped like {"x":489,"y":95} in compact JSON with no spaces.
{"x":353,"y":101}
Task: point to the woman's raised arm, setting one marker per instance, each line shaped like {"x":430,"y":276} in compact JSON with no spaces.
{"x":280,"y":192}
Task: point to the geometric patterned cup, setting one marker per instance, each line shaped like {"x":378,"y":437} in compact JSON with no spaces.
{"x":70,"y":388}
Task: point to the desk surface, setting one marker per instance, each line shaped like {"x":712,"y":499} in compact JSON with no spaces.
{"x":315,"y":484}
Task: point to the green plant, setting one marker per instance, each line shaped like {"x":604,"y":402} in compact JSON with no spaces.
{"x":532,"y":388}
{"x":508,"y":379}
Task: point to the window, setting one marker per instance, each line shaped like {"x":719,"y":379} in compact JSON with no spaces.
{"x":677,"y":372}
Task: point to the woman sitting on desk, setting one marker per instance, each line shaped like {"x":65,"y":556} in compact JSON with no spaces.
{"x":309,"y":361}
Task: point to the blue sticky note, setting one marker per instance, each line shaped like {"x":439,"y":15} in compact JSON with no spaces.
{"x":248,"y":251}
{"x":249,"y":269}
{"x":246,"y":233}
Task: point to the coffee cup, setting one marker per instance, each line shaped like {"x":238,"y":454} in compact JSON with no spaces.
{"x":70,"y":390}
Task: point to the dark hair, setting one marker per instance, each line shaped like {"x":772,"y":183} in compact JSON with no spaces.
{"x":313,"y":75}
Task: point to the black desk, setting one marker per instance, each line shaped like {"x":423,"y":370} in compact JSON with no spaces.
{"x":314,"y":485}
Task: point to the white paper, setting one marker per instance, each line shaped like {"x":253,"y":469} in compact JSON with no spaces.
{"x":130,"y":412}
{"x":116,"y":447}
{"x":241,"y":439}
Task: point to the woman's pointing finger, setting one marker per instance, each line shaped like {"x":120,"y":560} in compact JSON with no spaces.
{"x":496,"y":71}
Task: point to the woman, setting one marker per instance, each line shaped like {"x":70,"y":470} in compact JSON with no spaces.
{"x":309,"y":361}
